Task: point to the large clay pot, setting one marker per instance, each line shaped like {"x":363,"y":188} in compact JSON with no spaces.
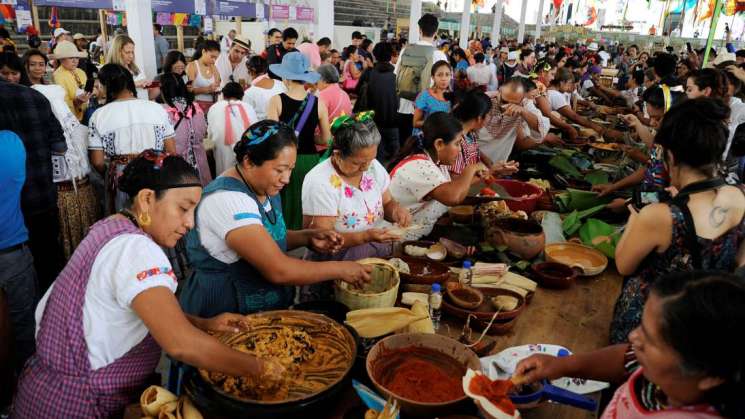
{"x":524,"y":238}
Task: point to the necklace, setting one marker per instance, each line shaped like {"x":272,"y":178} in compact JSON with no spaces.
{"x":270,"y":216}
{"x":131,"y":217}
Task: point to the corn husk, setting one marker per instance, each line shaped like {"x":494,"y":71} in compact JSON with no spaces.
{"x":153,"y":398}
{"x":168,"y":410}
{"x":505,"y":302}
{"x":186,"y":409}
{"x":409,"y":298}
{"x":421,"y":326}
{"x":376,"y":322}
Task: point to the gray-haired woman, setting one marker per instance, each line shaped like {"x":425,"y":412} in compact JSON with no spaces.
{"x":349,"y":193}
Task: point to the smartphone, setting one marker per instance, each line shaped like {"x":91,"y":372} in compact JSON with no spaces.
{"x":688,"y":47}
{"x":644,"y":198}
{"x":89,"y":85}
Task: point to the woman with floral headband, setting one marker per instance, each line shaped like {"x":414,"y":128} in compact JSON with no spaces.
{"x":349,"y":193}
{"x":238,"y":245}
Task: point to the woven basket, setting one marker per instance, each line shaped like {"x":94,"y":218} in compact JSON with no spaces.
{"x":381,"y":291}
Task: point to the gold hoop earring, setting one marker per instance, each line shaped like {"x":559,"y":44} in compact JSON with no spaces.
{"x":144,"y":220}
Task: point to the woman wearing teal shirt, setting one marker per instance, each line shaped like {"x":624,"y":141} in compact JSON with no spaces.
{"x":238,"y":245}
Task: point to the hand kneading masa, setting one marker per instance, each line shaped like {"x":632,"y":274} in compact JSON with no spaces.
{"x":315,"y":352}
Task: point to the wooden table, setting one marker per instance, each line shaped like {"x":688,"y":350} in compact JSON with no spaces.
{"x":577,"y":318}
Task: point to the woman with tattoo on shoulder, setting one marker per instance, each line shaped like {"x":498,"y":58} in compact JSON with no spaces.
{"x":702,"y":227}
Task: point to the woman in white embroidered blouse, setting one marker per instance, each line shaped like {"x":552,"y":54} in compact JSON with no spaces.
{"x":349,"y":193}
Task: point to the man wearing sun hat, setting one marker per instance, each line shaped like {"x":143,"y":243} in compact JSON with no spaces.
{"x":232,"y":64}
{"x":304,"y":113}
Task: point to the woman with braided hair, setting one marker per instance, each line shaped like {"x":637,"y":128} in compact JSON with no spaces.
{"x":348,"y":193}
{"x":238,"y":245}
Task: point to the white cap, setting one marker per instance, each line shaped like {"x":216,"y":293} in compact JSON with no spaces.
{"x":513,"y":55}
{"x":60,"y":31}
{"x":593,"y":46}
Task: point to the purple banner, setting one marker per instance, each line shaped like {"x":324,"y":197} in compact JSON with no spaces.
{"x":233,"y":8}
{"x":180,"y":6}
{"x":80,"y":4}
{"x":304,"y":14}
{"x":280,"y":11}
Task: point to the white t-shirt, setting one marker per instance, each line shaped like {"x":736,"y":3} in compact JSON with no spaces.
{"x":737,"y":117}
{"x":411,"y":182}
{"x":586,"y":86}
{"x":129,"y":127}
{"x":222,"y":212}
{"x":604,"y":57}
{"x":557,"y":99}
{"x":226,"y":69}
{"x":216,"y":130}
{"x":544,"y":124}
{"x":126,"y":266}
{"x":480,"y":74}
{"x":406,"y":106}
{"x":325,"y":194}
{"x":259,"y":98}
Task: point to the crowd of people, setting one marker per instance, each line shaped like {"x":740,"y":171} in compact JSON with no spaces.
{"x":118,"y":191}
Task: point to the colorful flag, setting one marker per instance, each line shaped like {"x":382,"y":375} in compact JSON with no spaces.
{"x":54,"y":18}
{"x":195,"y":21}
{"x":163,"y":18}
{"x":180,"y":19}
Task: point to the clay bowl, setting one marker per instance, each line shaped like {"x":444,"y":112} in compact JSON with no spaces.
{"x":485,"y":310}
{"x":462,"y":214}
{"x":524,"y":238}
{"x":589,"y":261}
{"x":436,"y":271}
{"x":553,"y":275}
{"x":447,"y":353}
{"x":468,"y":298}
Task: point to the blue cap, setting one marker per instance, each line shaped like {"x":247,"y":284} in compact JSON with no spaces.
{"x":562,"y":353}
{"x":435,"y":287}
{"x":466,"y":264}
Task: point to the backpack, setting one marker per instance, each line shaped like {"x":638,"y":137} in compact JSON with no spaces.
{"x":414,"y":67}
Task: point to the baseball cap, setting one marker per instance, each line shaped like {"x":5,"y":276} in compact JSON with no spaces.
{"x":78,"y":36}
{"x":60,"y":31}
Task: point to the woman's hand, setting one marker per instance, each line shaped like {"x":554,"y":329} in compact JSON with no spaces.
{"x":83,"y":98}
{"x":401,"y":216}
{"x":325,"y":241}
{"x":378,"y":235}
{"x":540,"y":367}
{"x":142,"y":84}
{"x":631,"y":120}
{"x":603,"y":189}
{"x":225,"y":322}
{"x":354,"y":273}
{"x":505,"y":168}
{"x":572,"y":133}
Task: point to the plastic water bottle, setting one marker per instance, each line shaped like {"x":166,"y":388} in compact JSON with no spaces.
{"x":435,"y":303}
{"x":466,"y":274}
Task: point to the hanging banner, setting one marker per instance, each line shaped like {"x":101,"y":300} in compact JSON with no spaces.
{"x":208,"y":25}
{"x":280,"y":11}
{"x":233,"y":8}
{"x":304,"y":14}
{"x":80,"y":4}
{"x":163,"y":18}
{"x":192,"y":7}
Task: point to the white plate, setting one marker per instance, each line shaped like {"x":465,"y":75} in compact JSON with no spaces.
{"x":508,"y":359}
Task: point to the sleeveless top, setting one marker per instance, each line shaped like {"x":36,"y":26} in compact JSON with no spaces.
{"x":201,"y":81}
{"x":216,"y":287}
{"x":290,"y":107}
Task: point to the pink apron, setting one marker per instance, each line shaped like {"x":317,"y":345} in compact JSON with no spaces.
{"x":625,"y":405}
{"x":57,"y":381}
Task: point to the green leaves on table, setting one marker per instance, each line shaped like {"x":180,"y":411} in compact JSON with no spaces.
{"x":600,"y":235}
{"x":563,"y":165}
{"x":573,"y":222}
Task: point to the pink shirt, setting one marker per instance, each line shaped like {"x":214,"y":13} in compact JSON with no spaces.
{"x":310,"y":50}
{"x":336,"y":100}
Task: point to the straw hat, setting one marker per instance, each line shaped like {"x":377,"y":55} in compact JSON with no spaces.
{"x":67,"y":49}
{"x":78,"y":36}
{"x":242,"y":42}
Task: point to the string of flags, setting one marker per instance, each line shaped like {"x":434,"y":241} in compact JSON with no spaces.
{"x":178,"y":19}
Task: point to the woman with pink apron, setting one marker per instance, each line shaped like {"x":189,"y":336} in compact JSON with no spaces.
{"x":683,"y":362}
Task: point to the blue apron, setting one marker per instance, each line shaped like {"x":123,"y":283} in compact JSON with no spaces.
{"x":216,"y":287}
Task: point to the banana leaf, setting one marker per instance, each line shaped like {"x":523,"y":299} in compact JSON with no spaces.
{"x":571,"y":223}
{"x":582,"y":200}
{"x":601,"y":236}
{"x":597,"y":177}
{"x":563,"y":165}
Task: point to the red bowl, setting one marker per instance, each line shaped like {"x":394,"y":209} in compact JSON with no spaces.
{"x":525,"y":195}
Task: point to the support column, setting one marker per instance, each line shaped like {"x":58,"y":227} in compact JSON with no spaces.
{"x":140,"y":29}
{"x":465,"y":24}
{"x":180,"y":38}
{"x":539,"y":20}
{"x":414,"y":16}
{"x":496,"y":26}
{"x":324,"y":15}
{"x":239,"y":25}
{"x":521,"y":29}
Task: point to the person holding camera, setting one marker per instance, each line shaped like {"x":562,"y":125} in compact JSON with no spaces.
{"x":702,"y":227}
